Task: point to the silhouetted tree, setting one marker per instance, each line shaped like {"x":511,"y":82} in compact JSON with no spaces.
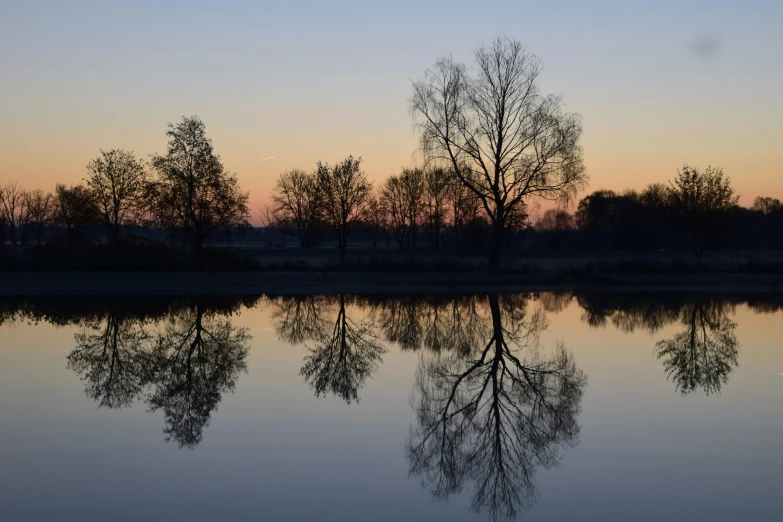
{"x":196,"y":359}
{"x":193,"y":186}
{"x":556,"y":222}
{"x":346,"y":193}
{"x":377,"y":218}
{"x":397,"y":207}
{"x":118,"y":182}
{"x":74,"y":208}
{"x":701,"y":199}
{"x":766,"y":205}
{"x":491,"y":417}
{"x":12,"y":198}
{"x":112,"y":357}
{"x":296,"y":205}
{"x":703,"y":355}
{"x":437,"y":182}
{"x":343,"y":358}
{"x":503,"y":138}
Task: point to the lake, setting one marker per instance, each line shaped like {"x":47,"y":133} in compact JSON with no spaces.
{"x":541,"y":407}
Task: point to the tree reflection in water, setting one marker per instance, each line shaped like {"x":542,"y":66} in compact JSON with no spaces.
{"x":493,"y":416}
{"x":182,"y":366}
{"x":703,"y":355}
{"x":346,"y":352}
{"x":195,"y":360}
{"x":112,"y":357}
{"x":343,"y":358}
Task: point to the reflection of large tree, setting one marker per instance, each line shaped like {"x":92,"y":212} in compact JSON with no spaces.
{"x":196,"y":358}
{"x":343,"y":358}
{"x":703,"y":355}
{"x":111,"y":358}
{"x":492,"y":417}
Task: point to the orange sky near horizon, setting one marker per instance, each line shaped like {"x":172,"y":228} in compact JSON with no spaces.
{"x":657,"y":86}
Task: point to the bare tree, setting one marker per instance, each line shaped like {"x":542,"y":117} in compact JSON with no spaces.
{"x":118,"y":182}
{"x":464,"y":207}
{"x":701,"y":199}
{"x":556,"y":222}
{"x":414,"y":187}
{"x":194,"y":188}
{"x":503,"y":138}
{"x":404,"y":196}
{"x":766,"y":205}
{"x":74,"y":208}
{"x":436,"y":181}
{"x":12,"y":198}
{"x":296,"y":205}
{"x":377,"y":218}
{"x":346,"y":193}
{"x":396,"y":204}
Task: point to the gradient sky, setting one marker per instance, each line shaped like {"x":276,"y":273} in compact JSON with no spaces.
{"x":658,"y":84}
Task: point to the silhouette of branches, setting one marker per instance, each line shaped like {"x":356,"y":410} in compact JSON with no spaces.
{"x":343,"y":358}
{"x":703,"y":355}
{"x":492,"y":417}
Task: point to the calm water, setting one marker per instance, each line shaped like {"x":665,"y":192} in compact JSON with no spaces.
{"x":534,"y":407}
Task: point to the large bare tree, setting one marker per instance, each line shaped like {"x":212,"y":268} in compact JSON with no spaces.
{"x":296,"y":205}
{"x":194,"y":188}
{"x":504,"y":139}
{"x":118,"y":182}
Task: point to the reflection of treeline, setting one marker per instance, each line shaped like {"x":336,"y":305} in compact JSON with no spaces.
{"x":81,"y":310}
{"x":179,"y":357}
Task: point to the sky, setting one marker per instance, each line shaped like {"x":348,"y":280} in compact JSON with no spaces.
{"x":282,"y":85}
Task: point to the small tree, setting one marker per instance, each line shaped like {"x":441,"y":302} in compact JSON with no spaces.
{"x":74,"y":208}
{"x":700,"y":200}
{"x":118,"y":183}
{"x":296,"y":205}
{"x":12,"y":198}
{"x":556,"y":222}
{"x":346,"y":193}
{"x":436,"y":181}
{"x":40,"y":211}
{"x":396,"y":204}
{"x":193,"y":187}
{"x":377,"y":218}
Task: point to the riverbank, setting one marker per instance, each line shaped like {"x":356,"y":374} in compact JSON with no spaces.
{"x":293,"y":283}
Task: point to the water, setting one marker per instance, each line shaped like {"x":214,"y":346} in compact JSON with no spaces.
{"x":534,"y":407}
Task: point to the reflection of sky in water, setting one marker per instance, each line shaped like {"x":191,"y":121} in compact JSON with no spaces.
{"x":273,"y":451}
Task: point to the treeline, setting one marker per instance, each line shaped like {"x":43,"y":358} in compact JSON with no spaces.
{"x":419,"y":208}
{"x":431,"y":208}
{"x":493,"y":146}
{"x":186,"y":192}
{"x":697,"y":210}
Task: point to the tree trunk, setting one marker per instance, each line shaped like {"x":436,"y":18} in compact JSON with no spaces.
{"x":497,"y":243}
{"x":198,"y":240}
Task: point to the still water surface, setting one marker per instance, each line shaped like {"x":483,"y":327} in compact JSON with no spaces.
{"x":342,"y":407}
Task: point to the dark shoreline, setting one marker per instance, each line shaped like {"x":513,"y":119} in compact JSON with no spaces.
{"x":173,"y":284}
